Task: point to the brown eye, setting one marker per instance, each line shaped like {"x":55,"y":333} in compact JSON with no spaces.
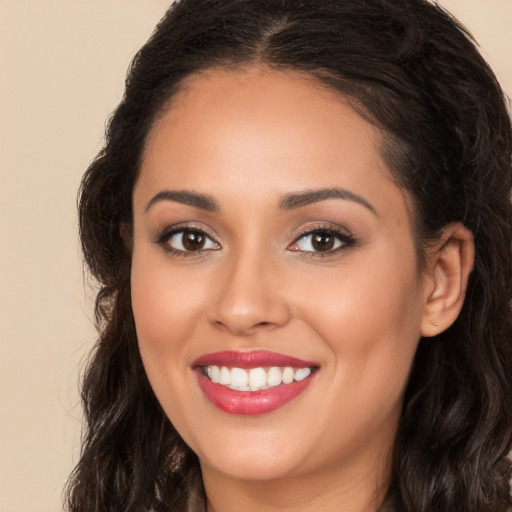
{"x":193,"y":240}
{"x":322,"y":242}
{"x":190,"y":240}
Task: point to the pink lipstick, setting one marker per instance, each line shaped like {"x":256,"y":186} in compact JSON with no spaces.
{"x":255,"y":382}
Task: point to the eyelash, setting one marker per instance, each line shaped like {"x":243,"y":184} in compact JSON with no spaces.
{"x":344,"y":240}
{"x":164,"y":238}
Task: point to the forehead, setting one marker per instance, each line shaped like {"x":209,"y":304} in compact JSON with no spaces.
{"x":263,"y":130}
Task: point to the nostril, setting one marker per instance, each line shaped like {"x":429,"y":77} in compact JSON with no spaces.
{"x":244,"y":329}
{"x":248,"y":313}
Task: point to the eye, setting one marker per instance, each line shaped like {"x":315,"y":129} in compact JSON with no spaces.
{"x":187,"y":241}
{"x":326,"y":240}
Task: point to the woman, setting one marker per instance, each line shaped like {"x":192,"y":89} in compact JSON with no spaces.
{"x":301,"y":224}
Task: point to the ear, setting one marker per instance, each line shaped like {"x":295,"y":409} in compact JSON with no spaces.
{"x":449,"y":264}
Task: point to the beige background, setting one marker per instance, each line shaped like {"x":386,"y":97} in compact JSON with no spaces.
{"x":62,"y":65}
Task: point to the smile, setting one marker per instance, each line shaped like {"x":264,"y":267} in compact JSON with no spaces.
{"x":255,"y":379}
{"x":250,"y":383}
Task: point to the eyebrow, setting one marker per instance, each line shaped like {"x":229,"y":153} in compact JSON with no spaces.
{"x":202,"y":201}
{"x":300,"y":199}
{"x":288,"y":202}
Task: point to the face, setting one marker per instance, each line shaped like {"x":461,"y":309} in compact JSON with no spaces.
{"x":273,"y":254}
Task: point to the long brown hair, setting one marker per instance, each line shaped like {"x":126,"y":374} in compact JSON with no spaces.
{"x":408,"y":67}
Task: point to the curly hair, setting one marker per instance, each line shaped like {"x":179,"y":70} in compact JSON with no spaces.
{"x":412,"y":70}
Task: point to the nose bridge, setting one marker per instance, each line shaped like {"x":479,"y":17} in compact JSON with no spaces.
{"x":248,"y":297}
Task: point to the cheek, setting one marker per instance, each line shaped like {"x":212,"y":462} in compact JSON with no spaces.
{"x":372,"y":332}
{"x":370,"y":317}
{"x":165,"y":303}
{"x":165,"y":309}
{"x":373,"y":298}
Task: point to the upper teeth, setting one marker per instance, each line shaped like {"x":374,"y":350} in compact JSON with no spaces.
{"x":254,"y":379}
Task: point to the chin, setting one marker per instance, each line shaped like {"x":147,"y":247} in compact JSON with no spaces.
{"x":249,"y":454}
{"x":250,"y":467}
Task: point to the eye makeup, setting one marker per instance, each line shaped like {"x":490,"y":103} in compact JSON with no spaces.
{"x":192,"y":239}
{"x":186,"y":239}
{"x":322,"y":240}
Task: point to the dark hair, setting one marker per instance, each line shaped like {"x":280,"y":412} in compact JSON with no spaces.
{"x":412,"y":70}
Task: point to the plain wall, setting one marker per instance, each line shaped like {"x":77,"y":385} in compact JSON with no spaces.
{"x":62,"y":67}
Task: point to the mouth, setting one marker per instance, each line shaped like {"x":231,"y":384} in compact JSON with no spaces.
{"x":249,"y":383}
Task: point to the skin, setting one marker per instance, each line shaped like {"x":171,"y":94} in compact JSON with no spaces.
{"x":247,"y":139}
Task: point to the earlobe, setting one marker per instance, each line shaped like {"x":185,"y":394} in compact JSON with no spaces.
{"x":450,"y":264}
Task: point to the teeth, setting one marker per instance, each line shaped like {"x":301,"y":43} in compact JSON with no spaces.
{"x":255,"y":379}
{"x":288,"y":375}
{"x":225,"y":376}
{"x":239,"y":378}
{"x":214,"y":374}
{"x":274,"y":376}
{"x":302,"y":373}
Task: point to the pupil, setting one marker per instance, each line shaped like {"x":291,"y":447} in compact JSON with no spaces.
{"x":323,"y":242}
{"x":193,"y":241}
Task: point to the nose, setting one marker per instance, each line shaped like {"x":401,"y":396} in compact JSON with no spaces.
{"x":249,"y":297}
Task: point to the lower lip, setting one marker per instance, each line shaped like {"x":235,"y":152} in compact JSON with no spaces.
{"x":250,"y":403}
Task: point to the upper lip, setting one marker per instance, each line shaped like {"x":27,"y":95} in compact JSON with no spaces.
{"x":251,"y":359}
